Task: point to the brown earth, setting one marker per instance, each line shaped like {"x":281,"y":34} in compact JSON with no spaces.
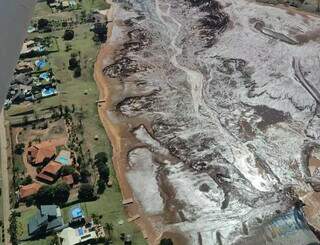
{"x":118,"y":131}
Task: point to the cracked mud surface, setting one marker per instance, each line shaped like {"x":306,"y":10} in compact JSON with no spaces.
{"x":230,"y":96}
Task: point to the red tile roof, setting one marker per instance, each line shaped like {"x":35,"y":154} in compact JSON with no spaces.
{"x":68,"y":179}
{"x":50,"y":171}
{"x":52,"y":168}
{"x":45,"y":177}
{"x":29,"y":190}
{"x":41,"y":151}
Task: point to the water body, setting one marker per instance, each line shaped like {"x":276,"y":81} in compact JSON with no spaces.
{"x":14,"y":18}
{"x":285,"y":229}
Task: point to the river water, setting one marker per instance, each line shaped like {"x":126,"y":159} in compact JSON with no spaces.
{"x":14,"y":18}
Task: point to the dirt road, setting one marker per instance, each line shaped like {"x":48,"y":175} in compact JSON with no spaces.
{"x":5,"y":179}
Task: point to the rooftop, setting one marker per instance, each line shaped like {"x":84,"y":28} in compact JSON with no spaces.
{"x":50,"y":172}
{"x":52,"y":168}
{"x":45,"y":177}
{"x":42,"y":151}
{"x":50,"y":210}
{"x":29,"y":190}
{"x":47,"y":219}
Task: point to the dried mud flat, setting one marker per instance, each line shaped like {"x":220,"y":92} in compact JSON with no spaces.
{"x":212,"y":110}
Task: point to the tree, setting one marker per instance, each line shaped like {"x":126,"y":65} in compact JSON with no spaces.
{"x":68,"y":35}
{"x":61,"y":193}
{"x":27,"y":180}
{"x":68,"y":47}
{"x":45,"y":195}
{"x":13,"y":228}
{"x":77,"y":72}
{"x":101,"y":186}
{"x":66,"y":170}
{"x":86,"y":192}
{"x":43,"y":24}
{"x":104,"y":172}
{"x":166,"y":241}
{"x":101,"y":156}
{"x":85,"y":174}
{"x":73,"y":63}
{"x":29,"y":201}
{"x":19,"y":149}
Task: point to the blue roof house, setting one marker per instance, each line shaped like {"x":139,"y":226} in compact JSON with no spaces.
{"x":47,"y":220}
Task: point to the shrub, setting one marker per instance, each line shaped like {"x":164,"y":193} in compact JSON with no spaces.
{"x":101,"y":156}
{"x":68,"y":35}
{"x":66,"y":170}
{"x":86,"y":192}
{"x":61,"y":193}
{"x":101,"y":186}
{"x":77,"y":72}
{"x":43,"y":24}
{"x":73,"y":63}
{"x":27,"y":180}
{"x":19,"y":149}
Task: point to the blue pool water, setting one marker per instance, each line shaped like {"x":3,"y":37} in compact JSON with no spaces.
{"x":76,"y":212}
{"x":41,"y":64}
{"x":63,"y":160}
{"x":80,"y":231}
{"x":45,"y":76}
{"x":48,"y":92}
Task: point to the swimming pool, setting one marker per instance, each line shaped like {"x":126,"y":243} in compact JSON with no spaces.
{"x":80,"y":231}
{"x":48,"y":92}
{"x":76,"y":213}
{"x":63,"y":160}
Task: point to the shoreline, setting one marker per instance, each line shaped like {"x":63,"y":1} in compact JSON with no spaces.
{"x":117,"y":135}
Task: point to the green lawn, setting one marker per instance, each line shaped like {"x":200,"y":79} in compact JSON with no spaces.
{"x":42,"y":9}
{"x":91,"y":5}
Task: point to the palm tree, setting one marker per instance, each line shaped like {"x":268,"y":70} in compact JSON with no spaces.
{"x":109,"y":228}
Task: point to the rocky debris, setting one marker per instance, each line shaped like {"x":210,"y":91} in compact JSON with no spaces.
{"x":214,"y":22}
{"x":232,"y":114}
{"x":123,"y":67}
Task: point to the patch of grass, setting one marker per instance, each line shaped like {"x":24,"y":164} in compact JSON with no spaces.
{"x":91,"y":5}
{"x":42,"y":9}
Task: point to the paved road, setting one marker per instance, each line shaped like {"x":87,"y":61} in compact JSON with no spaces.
{"x":5,"y":179}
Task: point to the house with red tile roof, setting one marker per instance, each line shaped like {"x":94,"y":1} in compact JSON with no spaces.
{"x":30,"y":190}
{"x":50,"y":173}
{"x":39,"y":153}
